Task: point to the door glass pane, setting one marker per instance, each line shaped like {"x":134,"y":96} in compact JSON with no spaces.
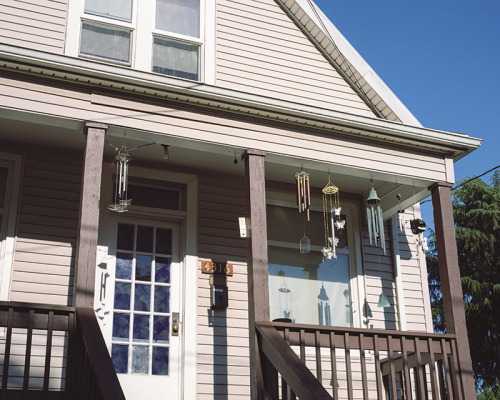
{"x":140,"y":359}
{"x":145,"y":238}
{"x":123,"y":266}
{"x":161,"y":329}
{"x":160,"y":360}
{"x":142,"y":298}
{"x":162,"y":299}
{"x":143,"y":268}
{"x":141,"y":328}
{"x":179,"y":16}
{"x":117,"y":9}
{"x":122,"y":296}
{"x":106,"y":42}
{"x":121,"y":326}
{"x":162,"y":270}
{"x":164,"y":241}
{"x":119,"y":355}
{"x":3,"y":186}
{"x":125,"y":239}
{"x":176,"y":58}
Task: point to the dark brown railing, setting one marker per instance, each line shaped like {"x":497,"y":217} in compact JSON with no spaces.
{"x":353,"y":363}
{"x":54,"y":352}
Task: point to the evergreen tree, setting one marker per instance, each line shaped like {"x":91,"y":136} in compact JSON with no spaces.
{"x":476,"y":209}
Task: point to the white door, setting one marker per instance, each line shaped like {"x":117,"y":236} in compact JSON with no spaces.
{"x":143,"y":327}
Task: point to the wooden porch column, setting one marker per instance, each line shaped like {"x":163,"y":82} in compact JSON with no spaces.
{"x":451,"y":286}
{"x":88,"y":224}
{"x":258,"y":289}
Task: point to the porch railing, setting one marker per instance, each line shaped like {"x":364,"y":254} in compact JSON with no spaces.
{"x":54,"y":352}
{"x":348,"y":363}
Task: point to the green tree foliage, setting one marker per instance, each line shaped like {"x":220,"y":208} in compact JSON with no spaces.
{"x":476,"y":209}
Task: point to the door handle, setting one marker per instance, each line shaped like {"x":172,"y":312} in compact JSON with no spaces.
{"x":175,"y":324}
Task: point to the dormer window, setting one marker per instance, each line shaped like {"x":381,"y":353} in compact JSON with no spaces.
{"x":160,"y":36}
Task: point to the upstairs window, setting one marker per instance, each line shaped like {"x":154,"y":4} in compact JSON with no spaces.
{"x":160,"y":36}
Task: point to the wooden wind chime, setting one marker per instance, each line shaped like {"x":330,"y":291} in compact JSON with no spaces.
{"x":331,"y":219}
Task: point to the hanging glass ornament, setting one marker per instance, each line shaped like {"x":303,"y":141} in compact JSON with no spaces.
{"x":305,"y":242}
{"x":375,"y":219}
{"x":331,"y":219}
{"x":121,"y":201}
{"x":303,"y":192}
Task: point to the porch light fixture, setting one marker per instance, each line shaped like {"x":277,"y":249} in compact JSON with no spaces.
{"x":121,"y":201}
{"x":166,"y":154}
{"x":375,"y":219}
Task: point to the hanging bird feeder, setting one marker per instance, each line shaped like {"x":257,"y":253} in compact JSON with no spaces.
{"x":375,"y":219}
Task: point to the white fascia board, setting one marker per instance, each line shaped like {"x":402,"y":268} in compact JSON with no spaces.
{"x":122,"y":78}
{"x":354,"y":58}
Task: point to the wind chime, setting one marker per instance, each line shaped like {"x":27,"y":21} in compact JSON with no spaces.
{"x":303,"y":193}
{"x":121,"y":201}
{"x":401,"y":214}
{"x":375,"y":219}
{"x":331,"y":219}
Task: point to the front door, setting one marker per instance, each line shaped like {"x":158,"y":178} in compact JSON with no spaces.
{"x":143,"y":322}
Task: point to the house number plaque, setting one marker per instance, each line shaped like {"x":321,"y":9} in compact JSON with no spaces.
{"x":216,"y":268}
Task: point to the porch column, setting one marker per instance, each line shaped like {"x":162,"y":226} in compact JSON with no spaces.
{"x":86,"y":250}
{"x":258,"y":289}
{"x":451,"y":286}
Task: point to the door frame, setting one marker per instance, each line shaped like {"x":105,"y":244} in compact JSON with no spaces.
{"x":188,"y":258}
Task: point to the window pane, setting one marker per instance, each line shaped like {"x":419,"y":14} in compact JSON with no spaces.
{"x":141,"y":328}
{"x":161,"y":329}
{"x":121,"y":326}
{"x":142,"y":298}
{"x":122,"y":296}
{"x":140,"y":359}
{"x":143,"y":268}
{"x":179,"y":16}
{"x":164,"y":241}
{"x":145,"y":238}
{"x":175,"y":58}
{"x":162,"y":299}
{"x":105,"y":42}
{"x":162,"y":267}
{"x":119,"y":355}
{"x":123,"y":266}
{"x":125,"y":239}
{"x":119,"y":9}
{"x":160,"y":360}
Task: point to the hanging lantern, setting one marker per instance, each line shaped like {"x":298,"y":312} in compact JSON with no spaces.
{"x":303,"y":192}
{"x":375,"y":219}
{"x":305,"y":245}
{"x":331,"y":219}
{"x":121,"y":201}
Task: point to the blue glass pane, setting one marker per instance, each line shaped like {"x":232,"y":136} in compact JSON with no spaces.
{"x":143,"y":268}
{"x":161,"y":329}
{"x":142,"y":298}
{"x":141,"y":328}
{"x":119,"y":355}
{"x":122,"y":296}
{"x":123,"y":266}
{"x":121,"y":323}
{"x":140,"y":359}
{"x":162,"y":299}
{"x":162,"y":270}
{"x":160,"y":360}
{"x":145,"y":239}
{"x":164,"y":241}
{"x":125,"y":240}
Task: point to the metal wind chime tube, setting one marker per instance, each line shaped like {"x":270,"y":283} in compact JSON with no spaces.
{"x":121,"y":201}
{"x":303,"y":192}
{"x":375,"y":219}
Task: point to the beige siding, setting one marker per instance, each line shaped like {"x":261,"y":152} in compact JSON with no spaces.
{"x":261,"y":50}
{"x":223,"y":355}
{"x":35,"y":24}
{"x":47,"y":230}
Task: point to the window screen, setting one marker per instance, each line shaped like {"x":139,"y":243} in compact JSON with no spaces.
{"x":105,"y":42}
{"x":176,"y":58}
{"x":116,"y":9}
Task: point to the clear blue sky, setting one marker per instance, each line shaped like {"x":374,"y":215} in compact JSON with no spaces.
{"x":441,"y":58}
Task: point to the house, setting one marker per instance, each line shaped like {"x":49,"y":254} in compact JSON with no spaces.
{"x":175,"y":175}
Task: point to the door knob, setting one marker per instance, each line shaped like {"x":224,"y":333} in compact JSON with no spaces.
{"x":175,"y":328}
{"x":175,"y":324}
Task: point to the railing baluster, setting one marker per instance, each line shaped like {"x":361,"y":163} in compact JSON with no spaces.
{"x":447,"y":381}
{"x":432,"y":369}
{"x":48,"y":351}
{"x":333,"y":361}
{"x":406,"y":371}
{"x":457,"y":386}
{"x":27,"y":357}
{"x":303,"y":345}
{"x":420,"y":371}
{"x":348,"y":369}
{"x":6,"y":359}
{"x":317,"y":341}
{"x":378,"y":371}
{"x":362,"y":358}
{"x":392,"y":374}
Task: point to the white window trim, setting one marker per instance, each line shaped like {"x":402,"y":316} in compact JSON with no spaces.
{"x":7,"y":246}
{"x":352,"y":210}
{"x":142,"y":55}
